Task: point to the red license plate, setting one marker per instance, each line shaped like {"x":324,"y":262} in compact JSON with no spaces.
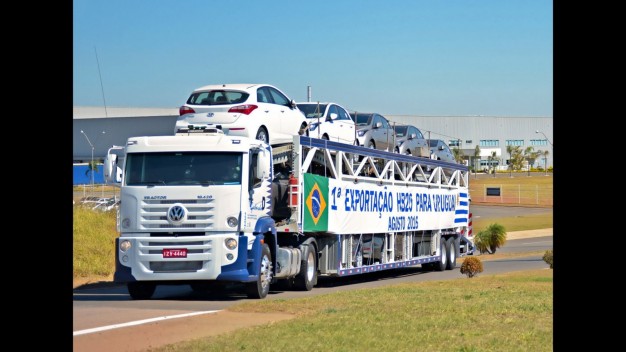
{"x":174,"y":252}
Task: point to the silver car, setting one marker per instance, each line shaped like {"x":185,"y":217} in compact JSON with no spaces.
{"x":373,"y":131}
{"x":411,"y":141}
{"x":439,"y":150}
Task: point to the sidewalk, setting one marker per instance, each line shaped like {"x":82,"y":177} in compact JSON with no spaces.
{"x":515,"y":235}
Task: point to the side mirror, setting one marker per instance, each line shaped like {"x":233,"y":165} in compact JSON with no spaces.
{"x":441,"y":147}
{"x":332,"y":116}
{"x":112,"y":173}
{"x":292,"y":104}
{"x":262,"y":165}
{"x":412,"y":136}
{"x":378,"y":125}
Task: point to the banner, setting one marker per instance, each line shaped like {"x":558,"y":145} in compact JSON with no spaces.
{"x":345,"y":207}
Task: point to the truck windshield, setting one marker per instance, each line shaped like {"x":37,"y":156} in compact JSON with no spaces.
{"x":183,"y":168}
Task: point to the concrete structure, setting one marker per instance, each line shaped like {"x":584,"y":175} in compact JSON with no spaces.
{"x":490,"y":133}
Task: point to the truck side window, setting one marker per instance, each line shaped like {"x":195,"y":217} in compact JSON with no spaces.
{"x":254,"y":182}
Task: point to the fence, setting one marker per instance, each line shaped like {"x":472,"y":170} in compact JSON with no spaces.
{"x":541,"y":195}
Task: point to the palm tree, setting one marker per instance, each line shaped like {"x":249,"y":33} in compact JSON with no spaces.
{"x":476,"y":155}
{"x":509,"y":149}
{"x":493,"y":157}
{"x":92,"y":167}
{"x":530,"y":155}
{"x":545,"y":158}
{"x":491,"y":238}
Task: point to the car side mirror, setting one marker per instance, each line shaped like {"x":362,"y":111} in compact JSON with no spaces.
{"x":292,"y":104}
{"x":333,"y":115}
{"x":412,"y":136}
{"x":378,"y":125}
{"x":441,"y":147}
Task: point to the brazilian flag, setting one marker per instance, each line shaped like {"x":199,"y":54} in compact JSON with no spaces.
{"x":315,"y":203}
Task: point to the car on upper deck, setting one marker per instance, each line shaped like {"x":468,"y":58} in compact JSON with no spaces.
{"x":373,"y":130}
{"x":329,"y":121}
{"x":259,"y":111}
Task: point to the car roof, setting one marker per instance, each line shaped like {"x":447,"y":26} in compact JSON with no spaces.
{"x":237,"y":86}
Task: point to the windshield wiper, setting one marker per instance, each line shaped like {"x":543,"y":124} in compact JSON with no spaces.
{"x":150,"y":183}
{"x":207,"y":183}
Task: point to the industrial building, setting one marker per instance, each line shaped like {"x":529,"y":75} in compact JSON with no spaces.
{"x":95,"y":129}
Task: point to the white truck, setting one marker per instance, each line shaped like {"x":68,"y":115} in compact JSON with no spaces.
{"x":206,"y":209}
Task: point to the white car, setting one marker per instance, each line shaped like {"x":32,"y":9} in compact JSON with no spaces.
{"x":258,"y":111}
{"x":329,"y":121}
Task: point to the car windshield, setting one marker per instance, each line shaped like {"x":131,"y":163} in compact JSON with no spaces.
{"x":218,"y":97}
{"x":183,"y":168}
{"x":312,"y":110}
{"x":363,"y":120}
{"x":400,"y":130}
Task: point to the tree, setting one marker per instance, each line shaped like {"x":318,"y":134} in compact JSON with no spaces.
{"x":491,"y":238}
{"x":491,"y":159}
{"x":545,"y":158}
{"x":458,"y":154}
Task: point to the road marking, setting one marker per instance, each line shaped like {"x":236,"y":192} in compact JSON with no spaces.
{"x":139,"y":322}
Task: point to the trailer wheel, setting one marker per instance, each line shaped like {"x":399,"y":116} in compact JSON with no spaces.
{"x":443,"y":263}
{"x":261,"y":287}
{"x":453,"y":253}
{"x":262,"y":135}
{"x":307,"y":277}
{"x":141,"y":290}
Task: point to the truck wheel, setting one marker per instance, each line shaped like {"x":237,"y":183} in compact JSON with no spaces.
{"x":141,"y":290}
{"x":443,"y":263}
{"x":453,"y":253}
{"x":307,"y":277}
{"x":261,"y":287}
{"x":262,"y":135}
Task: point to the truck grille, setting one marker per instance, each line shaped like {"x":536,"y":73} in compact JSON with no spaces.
{"x":199,"y":252}
{"x":154,"y":214}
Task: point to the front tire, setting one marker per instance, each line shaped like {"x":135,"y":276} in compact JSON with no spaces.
{"x":307,"y":278}
{"x":261,"y":287}
{"x":141,"y":290}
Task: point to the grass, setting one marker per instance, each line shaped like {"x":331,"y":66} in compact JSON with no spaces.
{"x":94,"y":243}
{"x":535,"y":190}
{"x":505,"y":312}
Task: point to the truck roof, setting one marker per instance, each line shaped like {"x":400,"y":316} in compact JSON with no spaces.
{"x":203,"y":142}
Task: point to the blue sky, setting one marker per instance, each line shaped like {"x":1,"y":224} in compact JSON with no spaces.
{"x":395,"y":57}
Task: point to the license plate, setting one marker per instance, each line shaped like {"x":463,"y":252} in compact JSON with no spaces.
{"x":174,"y":252}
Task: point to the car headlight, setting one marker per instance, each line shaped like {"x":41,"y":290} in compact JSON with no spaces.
{"x":361,"y":133}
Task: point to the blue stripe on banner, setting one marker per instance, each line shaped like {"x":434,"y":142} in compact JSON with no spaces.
{"x":463,"y":194}
{"x":458,"y":221}
{"x":461,"y":211}
{"x":463,"y":203}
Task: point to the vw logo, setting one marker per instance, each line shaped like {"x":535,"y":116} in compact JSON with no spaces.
{"x":177,"y":214}
{"x":210,"y":114}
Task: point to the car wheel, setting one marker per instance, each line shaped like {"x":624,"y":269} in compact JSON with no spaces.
{"x":261,"y":286}
{"x":304,"y":130}
{"x":371,"y":144}
{"x":141,"y":290}
{"x":262,"y":135}
{"x":407,"y":152}
{"x":325,"y":137}
{"x":453,"y":251}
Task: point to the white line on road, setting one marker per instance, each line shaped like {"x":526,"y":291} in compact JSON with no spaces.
{"x":537,"y":242}
{"x":139,"y":322}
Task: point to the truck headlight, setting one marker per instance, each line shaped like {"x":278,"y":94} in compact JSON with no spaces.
{"x":125,"y":245}
{"x":230,"y":243}
{"x":232,"y":221}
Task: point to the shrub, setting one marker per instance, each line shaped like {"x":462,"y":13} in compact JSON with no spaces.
{"x":491,"y":238}
{"x":547,"y":257}
{"x":471,"y":266}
